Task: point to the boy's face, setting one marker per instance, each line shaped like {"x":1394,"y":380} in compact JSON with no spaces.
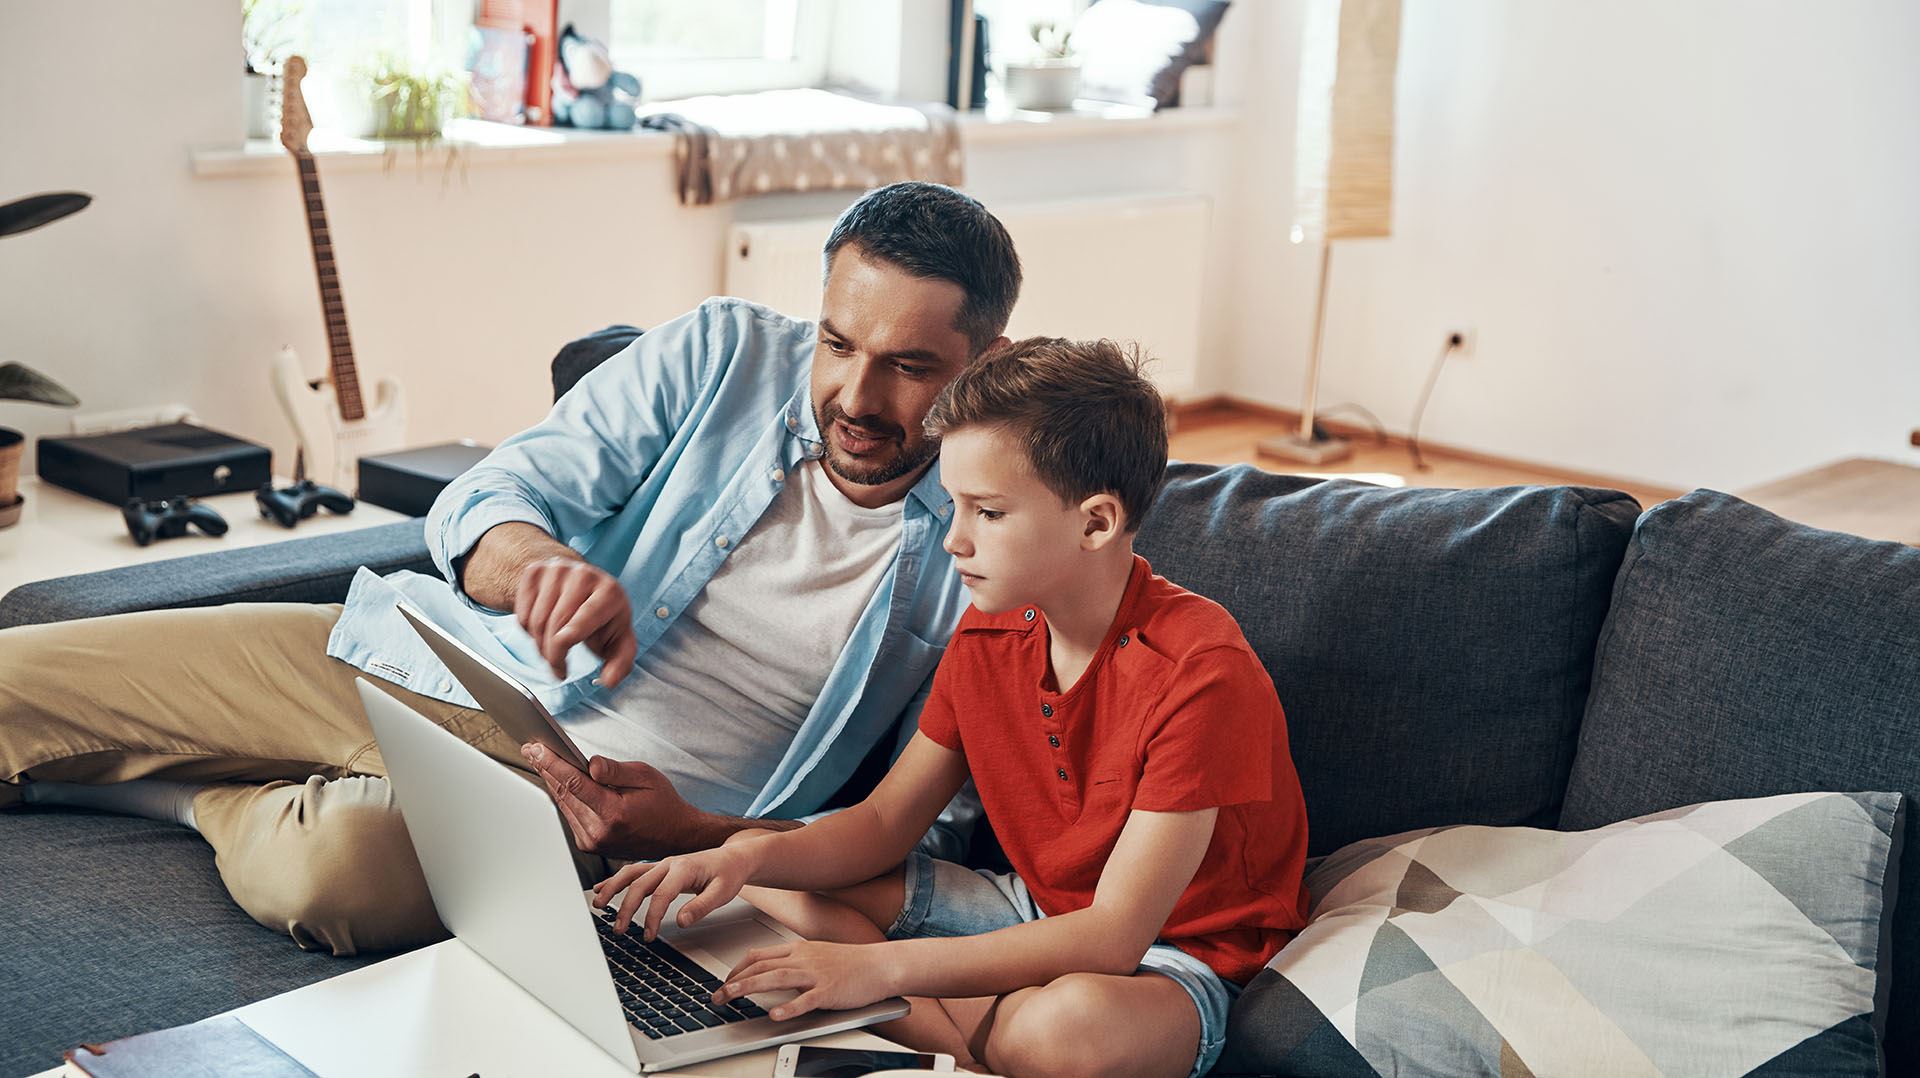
{"x":1013,"y":540}
{"x":887,"y":346}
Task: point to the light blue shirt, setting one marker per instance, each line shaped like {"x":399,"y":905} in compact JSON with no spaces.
{"x":676,"y":443}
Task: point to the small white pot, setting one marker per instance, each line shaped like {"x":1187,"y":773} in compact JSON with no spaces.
{"x":259,"y":105}
{"x":1042,"y":84}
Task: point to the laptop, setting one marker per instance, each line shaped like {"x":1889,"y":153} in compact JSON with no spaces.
{"x":498,"y":864}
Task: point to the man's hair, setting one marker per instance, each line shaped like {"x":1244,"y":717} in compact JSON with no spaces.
{"x":934,"y":232}
{"x":1089,"y":421}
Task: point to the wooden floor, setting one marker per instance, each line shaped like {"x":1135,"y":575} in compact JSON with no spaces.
{"x":1229,"y":432}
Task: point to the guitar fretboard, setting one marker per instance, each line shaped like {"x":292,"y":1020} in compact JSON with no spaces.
{"x":341,"y":371}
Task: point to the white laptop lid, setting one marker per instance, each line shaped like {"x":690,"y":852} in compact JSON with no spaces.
{"x":495,"y":856}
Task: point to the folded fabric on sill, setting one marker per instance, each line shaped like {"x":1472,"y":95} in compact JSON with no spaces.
{"x":736,"y":145}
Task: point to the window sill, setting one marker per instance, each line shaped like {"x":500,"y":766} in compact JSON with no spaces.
{"x":480,"y":141}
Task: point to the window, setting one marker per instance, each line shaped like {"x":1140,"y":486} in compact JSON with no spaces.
{"x":683,"y":48}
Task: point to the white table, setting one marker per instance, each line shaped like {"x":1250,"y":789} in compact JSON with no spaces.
{"x":61,"y":533}
{"x":442,"y":1010}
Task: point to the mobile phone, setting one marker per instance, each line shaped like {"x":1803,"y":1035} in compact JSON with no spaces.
{"x":809,"y":1061}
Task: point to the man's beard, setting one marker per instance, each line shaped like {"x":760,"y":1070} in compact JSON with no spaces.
{"x":905,"y":461}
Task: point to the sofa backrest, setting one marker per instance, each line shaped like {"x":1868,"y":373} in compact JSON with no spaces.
{"x":1432,"y":648}
{"x":1747,"y":656}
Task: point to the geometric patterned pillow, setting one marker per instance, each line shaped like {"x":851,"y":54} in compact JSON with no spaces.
{"x":1735,"y":937}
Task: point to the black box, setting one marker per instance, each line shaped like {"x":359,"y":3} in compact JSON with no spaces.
{"x":170,"y":460}
{"x":408,"y":481}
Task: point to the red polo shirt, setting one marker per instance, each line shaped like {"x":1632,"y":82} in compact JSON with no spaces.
{"x":1174,"y":713}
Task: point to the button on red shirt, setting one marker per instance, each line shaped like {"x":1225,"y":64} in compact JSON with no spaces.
{"x":1174,"y":714}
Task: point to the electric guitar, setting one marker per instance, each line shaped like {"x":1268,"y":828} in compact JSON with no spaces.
{"x":335,"y":425}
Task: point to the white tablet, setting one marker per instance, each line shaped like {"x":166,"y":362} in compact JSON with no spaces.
{"x":507,"y":702}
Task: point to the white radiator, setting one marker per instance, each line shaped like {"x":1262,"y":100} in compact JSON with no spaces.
{"x":1126,"y":268}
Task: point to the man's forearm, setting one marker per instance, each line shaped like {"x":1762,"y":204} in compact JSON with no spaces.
{"x":489,"y":572}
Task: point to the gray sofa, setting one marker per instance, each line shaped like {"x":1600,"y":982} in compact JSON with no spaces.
{"x":1549,"y":657}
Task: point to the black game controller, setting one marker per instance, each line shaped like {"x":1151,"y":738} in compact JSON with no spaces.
{"x":167,"y":518}
{"x":291,"y":505}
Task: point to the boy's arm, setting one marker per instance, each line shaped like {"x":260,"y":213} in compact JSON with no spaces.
{"x":1151,"y":866}
{"x":840,"y":850}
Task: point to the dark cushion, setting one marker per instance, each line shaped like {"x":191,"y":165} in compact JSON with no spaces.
{"x":577,"y":357}
{"x":1431,"y":647}
{"x":1747,"y":656}
{"x":313,"y":570}
{"x":1136,"y":50}
{"x":115,"y":926}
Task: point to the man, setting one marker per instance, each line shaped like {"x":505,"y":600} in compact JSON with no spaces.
{"x":718,"y":562}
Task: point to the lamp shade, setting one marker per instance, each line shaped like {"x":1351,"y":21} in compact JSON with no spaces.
{"x":1343,"y":146}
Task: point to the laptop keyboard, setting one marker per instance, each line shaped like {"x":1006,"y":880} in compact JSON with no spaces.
{"x":663,"y":992}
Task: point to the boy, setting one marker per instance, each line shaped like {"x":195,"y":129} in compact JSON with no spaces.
{"x":1126,"y":742}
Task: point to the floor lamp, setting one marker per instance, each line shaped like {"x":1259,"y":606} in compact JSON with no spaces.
{"x":1343,"y":166}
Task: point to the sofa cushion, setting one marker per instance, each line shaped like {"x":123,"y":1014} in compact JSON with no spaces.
{"x":1735,"y":937}
{"x":1431,"y":647}
{"x":115,"y":926}
{"x":1746,"y":656}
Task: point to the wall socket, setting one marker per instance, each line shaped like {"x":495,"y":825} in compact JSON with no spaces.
{"x":129,"y":418}
{"x":1468,"y":337}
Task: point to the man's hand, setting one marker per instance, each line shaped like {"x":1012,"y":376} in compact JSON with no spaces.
{"x":563,"y":601}
{"x":713,"y":877}
{"x":828,"y":976}
{"x":619,"y":809}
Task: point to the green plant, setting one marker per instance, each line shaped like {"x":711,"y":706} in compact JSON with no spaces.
{"x":1054,"y":41}
{"x":19,"y":382}
{"x":268,"y":30}
{"x":414,"y":104}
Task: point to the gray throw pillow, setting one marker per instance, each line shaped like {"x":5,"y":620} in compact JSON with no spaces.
{"x":1734,"y":937}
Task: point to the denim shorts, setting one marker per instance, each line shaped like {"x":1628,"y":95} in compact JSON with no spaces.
{"x":944,"y":900}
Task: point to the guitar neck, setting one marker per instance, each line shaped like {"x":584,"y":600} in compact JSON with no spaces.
{"x":341,"y":371}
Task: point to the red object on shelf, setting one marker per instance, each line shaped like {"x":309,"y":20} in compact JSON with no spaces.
{"x":541,"y":20}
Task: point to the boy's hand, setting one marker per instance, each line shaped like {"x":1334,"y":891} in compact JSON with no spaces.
{"x":713,"y":877}
{"x":828,"y":976}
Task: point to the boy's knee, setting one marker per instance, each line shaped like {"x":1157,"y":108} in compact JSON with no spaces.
{"x":1038,"y":1035}
{"x":338,"y":872}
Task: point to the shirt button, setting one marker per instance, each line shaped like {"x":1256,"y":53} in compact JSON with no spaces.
{"x":1028,"y":615}
{"x":660,"y":613}
{"x":943,"y":511}
{"x":1123,"y":641}
{"x":792,"y":423}
{"x":1053,"y":740}
{"x":779,"y":475}
{"x":720,"y":541}
{"x":1047,"y":710}
{"x":1062,"y":772}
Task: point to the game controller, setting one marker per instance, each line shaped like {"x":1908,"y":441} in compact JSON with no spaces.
{"x":167,"y":518}
{"x":291,"y":505}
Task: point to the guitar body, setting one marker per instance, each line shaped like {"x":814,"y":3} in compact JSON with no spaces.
{"x":334,"y":421}
{"x":333,"y":444}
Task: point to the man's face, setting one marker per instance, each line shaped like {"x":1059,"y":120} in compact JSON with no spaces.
{"x":887,"y":347}
{"x":1013,"y":540}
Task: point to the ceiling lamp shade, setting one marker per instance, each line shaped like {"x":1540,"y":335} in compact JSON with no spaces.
{"x":1343,"y":143}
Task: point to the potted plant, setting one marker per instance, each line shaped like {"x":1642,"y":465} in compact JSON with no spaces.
{"x":1050,"y":78}
{"x":267,"y":32}
{"x":23,"y":383}
{"x":414,"y":104}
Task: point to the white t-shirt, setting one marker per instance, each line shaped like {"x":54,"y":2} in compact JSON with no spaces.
{"x":716,"y":701}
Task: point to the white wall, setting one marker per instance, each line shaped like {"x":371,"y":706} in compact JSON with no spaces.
{"x":173,"y":287}
{"x":1687,"y":234}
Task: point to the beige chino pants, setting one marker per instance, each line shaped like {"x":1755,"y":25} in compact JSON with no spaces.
{"x":303,"y":824}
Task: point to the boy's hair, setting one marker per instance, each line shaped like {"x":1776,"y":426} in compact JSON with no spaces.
{"x":934,"y":232}
{"x":1089,"y":421}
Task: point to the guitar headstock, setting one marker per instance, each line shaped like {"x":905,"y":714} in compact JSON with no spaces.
{"x":295,"y":123}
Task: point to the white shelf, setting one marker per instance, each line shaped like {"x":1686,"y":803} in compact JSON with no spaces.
{"x":478,"y":141}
